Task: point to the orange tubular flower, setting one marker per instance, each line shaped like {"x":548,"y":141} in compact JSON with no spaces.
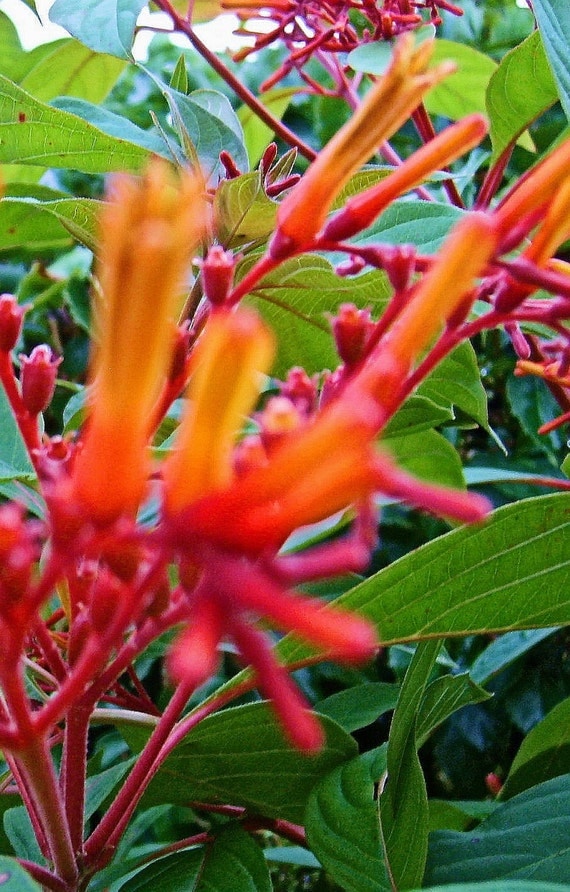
{"x":535,"y":189}
{"x":149,"y":231}
{"x":443,"y":290}
{"x":361,"y":211}
{"x":386,"y":107}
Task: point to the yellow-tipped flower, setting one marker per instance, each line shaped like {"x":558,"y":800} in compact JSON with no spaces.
{"x":149,"y":231}
{"x":234,"y":349}
{"x":385,"y":108}
{"x":442,"y":291}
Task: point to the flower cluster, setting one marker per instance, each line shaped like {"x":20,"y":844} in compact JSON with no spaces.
{"x":321,"y":30}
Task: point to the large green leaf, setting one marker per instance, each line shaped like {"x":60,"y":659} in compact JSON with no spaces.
{"x":360,"y":705}
{"x":72,"y":69}
{"x":499,"y":886}
{"x":428,"y":456}
{"x":34,"y":133}
{"x":456,"y":382}
{"x":461,"y":93}
{"x":106,"y":26}
{"x":504,"y":650}
{"x":442,"y":698}
{"x":511,"y":109}
{"x":295,"y":299}
{"x":544,"y":753}
{"x":232,"y":861}
{"x":553,"y":17}
{"x":510,"y":573}
{"x":240,"y":756}
{"x":15,"y":878}
{"x":342,"y":824}
{"x":15,"y":462}
{"x":424,"y":224}
{"x":526,"y":838}
{"x":113,"y":125}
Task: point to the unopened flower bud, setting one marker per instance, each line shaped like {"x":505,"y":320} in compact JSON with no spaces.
{"x":230,"y":167}
{"x":268,"y":158}
{"x":217,"y":274}
{"x":11,"y":315}
{"x":38,"y":377}
{"x":351,"y":328}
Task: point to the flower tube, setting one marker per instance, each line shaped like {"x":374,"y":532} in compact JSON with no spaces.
{"x":385,"y":108}
{"x":149,"y":232}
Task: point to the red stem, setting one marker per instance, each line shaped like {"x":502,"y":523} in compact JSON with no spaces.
{"x":239,"y":88}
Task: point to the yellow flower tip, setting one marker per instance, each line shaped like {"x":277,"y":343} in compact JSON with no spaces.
{"x":385,"y":108}
{"x":442,"y":291}
{"x":149,"y":229}
{"x":535,"y":189}
{"x":233,"y":350}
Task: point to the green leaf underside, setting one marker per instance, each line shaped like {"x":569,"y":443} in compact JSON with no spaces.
{"x":240,"y":756}
{"x":526,"y":838}
{"x":510,"y":108}
{"x":106,"y":26}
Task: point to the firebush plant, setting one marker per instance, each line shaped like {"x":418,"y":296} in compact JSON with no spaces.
{"x":284,"y":354}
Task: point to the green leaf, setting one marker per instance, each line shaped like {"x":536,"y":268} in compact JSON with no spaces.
{"x":461,"y":93}
{"x":425,"y":224}
{"x":499,"y":886}
{"x":457,"y":382}
{"x":360,"y":705}
{"x":14,"y":878}
{"x":233,"y":861}
{"x":15,"y":462}
{"x":34,"y":133}
{"x":106,"y":26}
{"x":257,"y":135}
{"x":505,"y":650}
{"x":404,"y":811}
{"x":511,"y":109}
{"x":553,"y":17}
{"x":240,"y":756}
{"x":428,"y":456}
{"x":417,"y":414}
{"x":206,"y":121}
{"x":544,"y":753}
{"x":113,"y":125}
{"x":342,"y":824}
{"x":72,"y":69}
{"x":510,"y":573}
{"x":526,"y":838}
{"x":242,"y":211}
{"x":179,"y":77}
{"x":35,"y":225}
{"x":442,"y":698}
{"x":295,"y":299}
{"x":14,"y":59}
{"x":101,"y":785}
{"x":19,"y":830}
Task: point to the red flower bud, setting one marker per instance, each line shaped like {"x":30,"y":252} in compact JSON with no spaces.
{"x":218,"y":274}
{"x":38,"y":377}
{"x":11,"y":315}
{"x":351,"y":329}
